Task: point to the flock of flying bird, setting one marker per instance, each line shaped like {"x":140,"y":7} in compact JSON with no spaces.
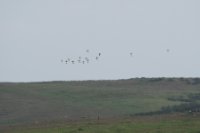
{"x":80,"y":60}
{"x":86,"y":60}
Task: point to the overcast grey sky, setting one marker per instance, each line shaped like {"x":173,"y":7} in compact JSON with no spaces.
{"x":35,"y":35}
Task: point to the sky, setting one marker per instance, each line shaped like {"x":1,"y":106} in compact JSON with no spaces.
{"x":38,"y":36}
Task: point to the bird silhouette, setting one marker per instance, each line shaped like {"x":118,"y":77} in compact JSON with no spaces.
{"x":86,"y":58}
{"x":79,"y":61}
{"x":87,"y":50}
{"x":131,"y":54}
{"x":168,"y":50}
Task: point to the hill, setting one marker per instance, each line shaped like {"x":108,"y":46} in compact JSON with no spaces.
{"x":39,"y":102}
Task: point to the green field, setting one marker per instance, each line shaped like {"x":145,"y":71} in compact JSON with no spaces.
{"x":156,"y":124}
{"x":83,"y":101}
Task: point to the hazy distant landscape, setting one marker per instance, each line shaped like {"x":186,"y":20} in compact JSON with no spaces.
{"x":68,"y":102}
{"x":99,"y":66}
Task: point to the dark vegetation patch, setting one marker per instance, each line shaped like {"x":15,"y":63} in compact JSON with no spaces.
{"x":191,"y":105}
{"x":190,"y":98}
{"x":184,"y":108}
{"x":190,"y":81}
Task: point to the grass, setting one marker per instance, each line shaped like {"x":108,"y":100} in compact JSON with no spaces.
{"x":29,"y":103}
{"x":174,"y":124}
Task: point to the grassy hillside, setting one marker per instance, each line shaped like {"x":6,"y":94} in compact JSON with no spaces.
{"x":22,"y":103}
{"x":148,"y":124}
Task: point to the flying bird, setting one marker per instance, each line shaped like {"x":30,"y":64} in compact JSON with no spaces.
{"x":87,"y":59}
{"x":168,"y":50}
{"x":79,"y":61}
{"x":87,"y":50}
{"x":131,"y":54}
